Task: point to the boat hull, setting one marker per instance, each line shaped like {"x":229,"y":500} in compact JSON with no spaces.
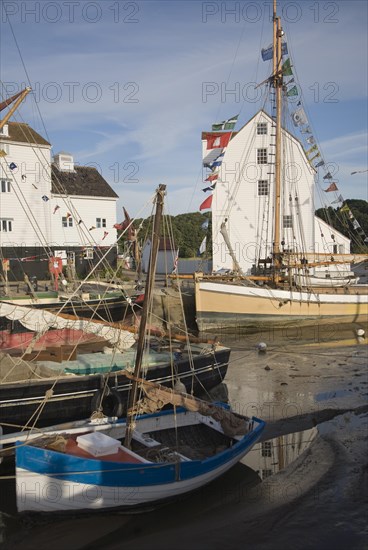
{"x":73,"y":397}
{"x":220,"y":305}
{"x":49,"y":481}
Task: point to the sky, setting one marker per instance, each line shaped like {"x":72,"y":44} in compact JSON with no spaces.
{"x":128,"y":86}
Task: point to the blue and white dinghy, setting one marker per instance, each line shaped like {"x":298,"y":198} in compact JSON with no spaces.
{"x":170,"y":453}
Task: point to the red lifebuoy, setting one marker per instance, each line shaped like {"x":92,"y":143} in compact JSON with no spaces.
{"x":55,"y":265}
{"x":55,"y":268}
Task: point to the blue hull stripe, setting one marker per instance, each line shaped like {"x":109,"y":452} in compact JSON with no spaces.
{"x":116,"y":474}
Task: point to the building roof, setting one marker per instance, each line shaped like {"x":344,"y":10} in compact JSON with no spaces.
{"x":23,"y":133}
{"x":84,"y":181}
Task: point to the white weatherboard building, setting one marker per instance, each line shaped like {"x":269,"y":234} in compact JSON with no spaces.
{"x":244,"y":200}
{"x":50,"y":207}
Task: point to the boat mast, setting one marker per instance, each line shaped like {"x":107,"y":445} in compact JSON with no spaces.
{"x":146,"y":304}
{"x":20,"y":96}
{"x":277,"y":84}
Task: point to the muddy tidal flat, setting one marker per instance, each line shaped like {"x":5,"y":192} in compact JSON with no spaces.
{"x":302,"y":487}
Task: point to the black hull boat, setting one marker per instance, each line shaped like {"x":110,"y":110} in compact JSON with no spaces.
{"x":68,"y":397}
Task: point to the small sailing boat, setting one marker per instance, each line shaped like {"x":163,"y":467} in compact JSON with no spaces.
{"x":148,"y":458}
{"x":286,"y":264}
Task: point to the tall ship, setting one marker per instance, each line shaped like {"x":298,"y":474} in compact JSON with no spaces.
{"x":274,"y":260}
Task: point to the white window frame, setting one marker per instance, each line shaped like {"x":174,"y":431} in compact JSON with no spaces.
{"x":100,"y":222}
{"x":262,"y":155}
{"x":263,"y":188}
{"x":89,"y":254}
{"x":67,"y":222}
{"x":262,"y":128}
{"x":6,"y":225}
{"x":5,"y":186}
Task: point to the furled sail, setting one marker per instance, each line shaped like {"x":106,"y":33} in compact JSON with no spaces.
{"x":40,"y":320}
{"x":157,"y":396}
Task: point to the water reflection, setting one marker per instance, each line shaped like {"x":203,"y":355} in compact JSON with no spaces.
{"x":269,"y":457}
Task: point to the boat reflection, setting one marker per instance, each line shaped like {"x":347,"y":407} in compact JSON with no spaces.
{"x":269,"y":457}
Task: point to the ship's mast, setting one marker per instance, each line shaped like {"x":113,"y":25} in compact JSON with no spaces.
{"x":19,"y":97}
{"x":277,"y":83}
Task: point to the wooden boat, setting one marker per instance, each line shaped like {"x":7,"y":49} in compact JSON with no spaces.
{"x":286,"y":265}
{"x":146,"y":459}
{"x":97,"y":302}
{"x":70,"y":390}
{"x":109,"y":475}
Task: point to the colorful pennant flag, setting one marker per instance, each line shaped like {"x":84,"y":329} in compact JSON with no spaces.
{"x":212,"y":177}
{"x":210,"y":188}
{"x":339,"y":199}
{"x":56,"y":208}
{"x":299,"y":117}
{"x":292,"y":92}
{"x":320,"y":163}
{"x":225,"y":124}
{"x":314,"y":148}
{"x":286,"y":68}
{"x":206,"y":204}
{"x":331,"y":187}
{"x":91,"y":228}
{"x":267,"y":53}
{"x":12,"y":166}
{"x":68,"y":215}
{"x":202,"y":247}
{"x":105,"y":235}
{"x":328,"y":176}
{"x":2,"y":153}
{"x":218,"y":140}
{"x":205,"y":224}
{"x":345,"y":208}
{"x":310,"y":140}
{"x":217,"y":162}
{"x":45,"y":198}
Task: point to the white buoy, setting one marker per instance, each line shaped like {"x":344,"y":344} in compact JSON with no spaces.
{"x":360,"y":332}
{"x":261,"y":347}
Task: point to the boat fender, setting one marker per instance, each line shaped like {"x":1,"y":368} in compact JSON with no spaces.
{"x":110,"y":401}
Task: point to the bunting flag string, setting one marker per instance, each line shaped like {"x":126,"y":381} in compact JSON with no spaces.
{"x":356,"y":225}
